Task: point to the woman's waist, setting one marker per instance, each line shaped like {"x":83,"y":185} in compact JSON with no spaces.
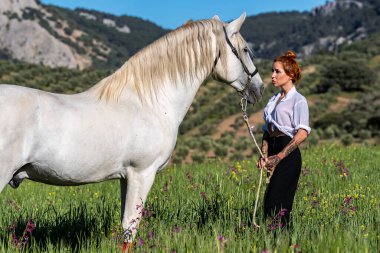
{"x":274,"y":133}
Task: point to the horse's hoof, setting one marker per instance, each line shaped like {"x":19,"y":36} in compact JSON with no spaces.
{"x":128,"y":247}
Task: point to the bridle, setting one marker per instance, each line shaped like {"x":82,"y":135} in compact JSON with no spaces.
{"x":234,"y":50}
{"x":250,"y":75}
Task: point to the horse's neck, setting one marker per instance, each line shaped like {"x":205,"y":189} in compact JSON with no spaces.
{"x":174,"y":101}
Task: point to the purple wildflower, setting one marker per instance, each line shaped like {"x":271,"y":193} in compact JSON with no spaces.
{"x":177,"y":229}
{"x":30,"y":227}
{"x":140,"y":243}
{"x":347,"y":200}
{"x":276,"y":221}
{"x":342,"y":168}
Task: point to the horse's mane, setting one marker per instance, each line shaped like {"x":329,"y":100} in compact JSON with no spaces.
{"x":180,"y":55}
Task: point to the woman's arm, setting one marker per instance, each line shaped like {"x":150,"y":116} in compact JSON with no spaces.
{"x":298,"y":138}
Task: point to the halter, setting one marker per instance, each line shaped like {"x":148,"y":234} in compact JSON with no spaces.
{"x":234,"y":50}
{"x":250,"y":75}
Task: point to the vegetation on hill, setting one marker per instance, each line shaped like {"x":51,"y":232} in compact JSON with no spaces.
{"x":343,"y":90}
{"x":343,"y":93}
{"x":273,"y":33}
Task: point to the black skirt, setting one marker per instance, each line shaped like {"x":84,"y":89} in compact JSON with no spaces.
{"x":280,"y":192}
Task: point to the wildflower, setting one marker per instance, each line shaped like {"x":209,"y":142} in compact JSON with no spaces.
{"x":21,"y":242}
{"x":276,"y":221}
{"x":151,"y":234}
{"x":203,"y":195}
{"x":140,"y":243}
{"x":347,"y":200}
{"x":30,"y":227}
{"x":177,"y":229}
{"x":145,"y":213}
{"x":189,"y":177}
{"x":222,"y":241}
{"x":343,"y":170}
{"x":347,"y":206}
{"x":315,"y":201}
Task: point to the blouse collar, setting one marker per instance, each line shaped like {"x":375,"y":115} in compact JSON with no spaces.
{"x":290,"y":94}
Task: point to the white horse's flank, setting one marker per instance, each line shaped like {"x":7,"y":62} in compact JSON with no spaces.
{"x":125,"y":127}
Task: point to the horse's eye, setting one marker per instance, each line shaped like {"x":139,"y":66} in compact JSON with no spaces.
{"x":246,"y":50}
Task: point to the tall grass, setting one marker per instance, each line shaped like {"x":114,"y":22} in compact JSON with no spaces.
{"x":207,"y":208}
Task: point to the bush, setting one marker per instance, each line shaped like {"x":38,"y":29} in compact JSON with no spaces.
{"x":204,"y":144}
{"x":364,"y":134}
{"x":349,"y":75}
{"x":346,"y":139}
{"x":198,"y":157}
{"x":182,"y":151}
{"x":221,"y":150}
{"x":313,"y":138}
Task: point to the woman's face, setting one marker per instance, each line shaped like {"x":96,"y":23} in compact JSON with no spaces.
{"x":279,"y":77}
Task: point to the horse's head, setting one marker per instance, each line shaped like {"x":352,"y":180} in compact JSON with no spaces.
{"x":238,"y":69}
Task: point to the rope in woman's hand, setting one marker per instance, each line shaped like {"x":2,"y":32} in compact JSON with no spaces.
{"x":243,"y":103}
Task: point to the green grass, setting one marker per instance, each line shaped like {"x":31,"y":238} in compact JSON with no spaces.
{"x":208,"y":208}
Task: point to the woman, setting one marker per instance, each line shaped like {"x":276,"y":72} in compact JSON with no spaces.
{"x":286,"y":126}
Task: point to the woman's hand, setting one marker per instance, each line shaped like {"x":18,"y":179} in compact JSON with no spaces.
{"x":272,"y":162}
{"x":261,"y":162}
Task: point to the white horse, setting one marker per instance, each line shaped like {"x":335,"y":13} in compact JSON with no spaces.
{"x":125,"y":127}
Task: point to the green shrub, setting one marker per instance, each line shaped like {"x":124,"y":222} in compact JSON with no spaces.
{"x":198,"y":157}
{"x":346,"y":139}
{"x":313,"y":138}
{"x":204,"y":144}
{"x":221,"y":150}
{"x":364,"y":134}
{"x":349,"y":75}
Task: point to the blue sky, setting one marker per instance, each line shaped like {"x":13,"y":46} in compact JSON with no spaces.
{"x":173,"y":13}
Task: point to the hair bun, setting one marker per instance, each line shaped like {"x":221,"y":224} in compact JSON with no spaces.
{"x":291,"y":54}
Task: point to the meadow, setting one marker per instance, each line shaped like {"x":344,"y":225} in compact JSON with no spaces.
{"x":207,"y":208}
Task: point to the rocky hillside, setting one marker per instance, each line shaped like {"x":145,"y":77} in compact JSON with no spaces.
{"x":324,"y":29}
{"x":58,"y":37}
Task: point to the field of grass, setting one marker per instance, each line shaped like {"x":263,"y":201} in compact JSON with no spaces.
{"x":206,"y":208}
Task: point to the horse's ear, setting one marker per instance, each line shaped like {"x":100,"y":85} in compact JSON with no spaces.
{"x":216,"y":17}
{"x":188,"y":22}
{"x":234,"y":26}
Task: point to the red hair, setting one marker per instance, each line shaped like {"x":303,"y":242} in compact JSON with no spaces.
{"x":290,"y":65}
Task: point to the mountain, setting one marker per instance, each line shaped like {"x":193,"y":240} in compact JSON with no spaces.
{"x":342,"y":89}
{"x":324,"y":29}
{"x":58,"y":37}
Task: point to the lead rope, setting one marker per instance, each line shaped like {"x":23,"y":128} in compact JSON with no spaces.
{"x":243,"y":103}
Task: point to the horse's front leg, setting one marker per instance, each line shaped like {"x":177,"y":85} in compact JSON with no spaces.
{"x":133,"y":196}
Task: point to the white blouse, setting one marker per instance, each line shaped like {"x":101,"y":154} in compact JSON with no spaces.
{"x":291,"y":113}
